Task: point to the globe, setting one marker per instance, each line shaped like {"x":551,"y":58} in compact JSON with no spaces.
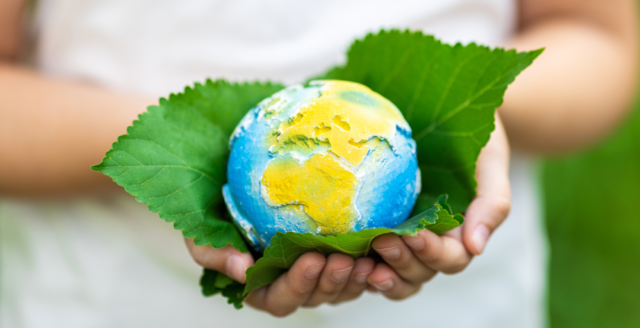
{"x":327,"y":158}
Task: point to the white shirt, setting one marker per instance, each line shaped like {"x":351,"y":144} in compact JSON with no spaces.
{"x":110,"y":262}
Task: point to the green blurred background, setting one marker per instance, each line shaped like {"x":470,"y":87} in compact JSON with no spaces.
{"x":592,"y":204}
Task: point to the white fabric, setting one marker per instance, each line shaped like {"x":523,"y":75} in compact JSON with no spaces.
{"x":109,"y":262}
{"x":159,"y":46}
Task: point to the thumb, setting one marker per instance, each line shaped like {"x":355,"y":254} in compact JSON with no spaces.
{"x":493,"y":201}
{"x":227,"y":260}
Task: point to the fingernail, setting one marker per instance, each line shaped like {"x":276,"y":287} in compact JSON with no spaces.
{"x":391,"y":253}
{"x":384,"y":286}
{"x":361,"y":278}
{"x":415,"y":243}
{"x":340,"y":276}
{"x":314,"y":271}
{"x":236,"y":268}
{"x":480,"y":237}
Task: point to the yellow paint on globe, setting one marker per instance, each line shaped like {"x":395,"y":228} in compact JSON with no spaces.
{"x":342,"y":122}
{"x":345,"y":119}
{"x":323,"y":188}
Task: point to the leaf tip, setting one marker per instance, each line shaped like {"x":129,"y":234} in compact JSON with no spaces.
{"x":98,"y":167}
{"x":537,"y":52}
{"x":459,"y":218}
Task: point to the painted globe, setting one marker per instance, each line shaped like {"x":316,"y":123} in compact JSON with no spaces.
{"x":328,"y":158}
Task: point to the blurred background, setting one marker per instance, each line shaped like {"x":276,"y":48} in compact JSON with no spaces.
{"x":591,"y":208}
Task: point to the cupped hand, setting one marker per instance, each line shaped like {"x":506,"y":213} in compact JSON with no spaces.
{"x":410,"y":260}
{"x":414,"y":260}
{"x":312,"y":280}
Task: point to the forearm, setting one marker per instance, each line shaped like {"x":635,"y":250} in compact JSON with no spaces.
{"x":51,"y":131}
{"x":575,"y":92}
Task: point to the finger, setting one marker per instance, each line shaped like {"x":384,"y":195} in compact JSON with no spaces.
{"x":227,"y":260}
{"x":444,"y":253}
{"x":387,"y":282}
{"x":291,"y":289}
{"x":358,"y":281}
{"x":333,"y":279}
{"x":401,"y":259}
{"x":492,"y":203}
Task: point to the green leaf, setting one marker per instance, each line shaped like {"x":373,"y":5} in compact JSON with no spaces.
{"x":213,"y":282}
{"x":448,"y":95}
{"x":174,"y":157}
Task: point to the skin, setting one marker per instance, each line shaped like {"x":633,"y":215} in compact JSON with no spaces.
{"x":591,"y":55}
{"x":49,"y":127}
{"x":591,"y":52}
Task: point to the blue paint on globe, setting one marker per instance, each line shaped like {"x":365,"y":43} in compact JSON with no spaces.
{"x":381,"y":170}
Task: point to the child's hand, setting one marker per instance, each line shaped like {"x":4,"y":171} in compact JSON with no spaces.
{"x":312,"y":280}
{"x":414,"y":260}
{"x":410,"y":261}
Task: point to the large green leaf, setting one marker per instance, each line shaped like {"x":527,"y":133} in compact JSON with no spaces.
{"x":286,"y":248}
{"x":174,"y":157}
{"x":448,"y":95}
